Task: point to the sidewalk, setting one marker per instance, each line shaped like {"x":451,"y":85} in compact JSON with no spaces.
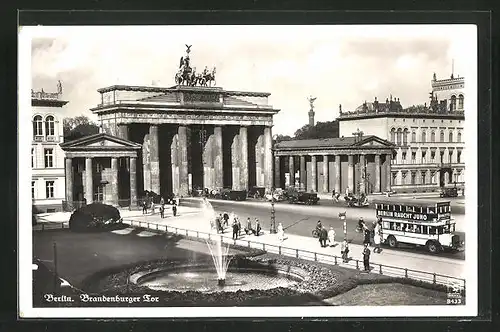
{"x":425,"y":263}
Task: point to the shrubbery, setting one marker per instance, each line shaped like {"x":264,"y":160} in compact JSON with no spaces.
{"x":94,"y":217}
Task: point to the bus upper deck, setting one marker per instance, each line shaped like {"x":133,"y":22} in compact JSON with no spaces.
{"x":423,"y":211}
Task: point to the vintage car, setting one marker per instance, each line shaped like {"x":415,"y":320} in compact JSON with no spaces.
{"x":257,"y":192}
{"x":234,"y":195}
{"x":449,"y":192}
{"x":303,"y":197}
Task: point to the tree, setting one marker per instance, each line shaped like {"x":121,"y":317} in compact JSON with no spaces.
{"x":327,"y":129}
{"x":280,"y":138}
{"x":78,"y":127}
{"x":71,"y":123}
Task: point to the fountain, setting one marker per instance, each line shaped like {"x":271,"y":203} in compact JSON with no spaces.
{"x":218,"y":251}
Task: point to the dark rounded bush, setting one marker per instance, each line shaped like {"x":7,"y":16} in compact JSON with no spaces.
{"x":94,"y":216}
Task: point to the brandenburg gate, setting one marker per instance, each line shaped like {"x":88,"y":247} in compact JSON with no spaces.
{"x":193,"y":136}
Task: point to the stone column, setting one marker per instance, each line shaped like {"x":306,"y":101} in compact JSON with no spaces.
{"x":277,"y":172}
{"x":218,"y":165}
{"x":122,"y":131}
{"x":89,"y":183}
{"x":268,"y":158}
{"x":350,"y":173}
{"x":377,"y":173}
{"x":183,"y":161}
{"x":302,"y":172}
{"x":313,"y":173}
{"x":146,"y":165}
{"x":133,"y":181}
{"x":325,"y":173}
{"x":114,"y":181}
{"x":362,"y":187}
{"x":388,"y":171}
{"x":337,"y":174}
{"x":69,"y":182}
{"x":235,"y":162}
{"x":291,"y":170}
{"x":154,"y":158}
{"x":244,"y":158}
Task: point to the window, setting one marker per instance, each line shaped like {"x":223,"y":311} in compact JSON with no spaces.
{"x":441,"y":156}
{"x":433,"y":156}
{"x":450,"y":156}
{"x":450,"y":137}
{"x":49,"y":157}
{"x":413,"y":157}
{"x":393,"y":135}
{"x":413,"y":176}
{"x":37,"y":126}
{"x":49,"y":189}
{"x":453,"y":104}
{"x":394,"y":178}
{"x":424,"y":153}
{"x":49,"y":126}
{"x":459,"y":137}
{"x":459,"y":154}
{"x":99,"y":195}
{"x":460,"y":102}
{"x":403,"y":155}
{"x":424,"y":138}
{"x":32,"y":189}
{"x":399,"y":134}
{"x":404,"y":177}
{"x":423,"y":174}
{"x":405,"y":137}
{"x":433,"y":136}
{"x":98,"y":167}
{"x":441,"y":136}
{"x":32,"y":157}
{"x":413,"y":137}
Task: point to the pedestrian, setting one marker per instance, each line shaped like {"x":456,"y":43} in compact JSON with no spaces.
{"x":331,"y":236}
{"x":281,"y":232}
{"x":144,"y":207}
{"x":162,"y":211}
{"x":377,"y":238}
{"x":344,"y":250}
{"x":324,"y":233}
{"x":366,"y":258}
{"x":367,"y":236}
{"x":318,"y":227}
{"x":257,"y":227}
{"x":162,"y":201}
{"x":174,"y":209}
{"x":218,"y":223}
{"x":226,"y":219}
{"x":361,"y":225}
{"x":235,"y":229}
{"x":239,"y":225}
{"x":248,"y":228}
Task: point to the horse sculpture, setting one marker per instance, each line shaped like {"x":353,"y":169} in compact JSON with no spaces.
{"x":188,"y":76}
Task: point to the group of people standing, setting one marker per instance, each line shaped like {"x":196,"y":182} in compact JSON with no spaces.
{"x":325,"y":235}
{"x":147,"y":202}
{"x":221,"y":222}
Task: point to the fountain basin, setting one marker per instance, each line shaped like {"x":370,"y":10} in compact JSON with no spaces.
{"x":202,"y":278}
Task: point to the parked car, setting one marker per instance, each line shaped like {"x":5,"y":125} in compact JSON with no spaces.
{"x":303,"y":198}
{"x":449,"y":192}
{"x":234,"y":195}
{"x":257,"y":192}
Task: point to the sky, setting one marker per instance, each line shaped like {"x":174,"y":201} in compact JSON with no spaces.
{"x":336,"y":64}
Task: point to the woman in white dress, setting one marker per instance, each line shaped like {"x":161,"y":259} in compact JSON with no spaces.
{"x":377,"y":237}
{"x":331,"y":236}
{"x":281,"y":232}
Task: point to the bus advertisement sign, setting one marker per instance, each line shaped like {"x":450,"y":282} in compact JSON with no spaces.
{"x":406,"y":215}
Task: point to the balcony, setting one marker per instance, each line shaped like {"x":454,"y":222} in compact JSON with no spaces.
{"x":51,"y":139}
{"x":38,"y":138}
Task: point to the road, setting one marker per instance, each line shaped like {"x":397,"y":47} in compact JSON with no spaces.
{"x":301,"y":220}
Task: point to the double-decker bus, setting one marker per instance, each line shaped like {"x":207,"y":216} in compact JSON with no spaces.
{"x":426,"y":224}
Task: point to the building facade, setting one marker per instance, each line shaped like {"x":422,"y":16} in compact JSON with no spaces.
{"x":429,"y":139}
{"x":347,"y":164}
{"x":47,"y":157}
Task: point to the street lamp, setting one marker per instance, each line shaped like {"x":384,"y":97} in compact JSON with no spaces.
{"x":273,"y":218}
{"x":342,"y":218}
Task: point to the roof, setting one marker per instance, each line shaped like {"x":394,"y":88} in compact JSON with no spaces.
{"x":100,"y":141}
{"x":410,"y":202}
{"x":233,"y":101}
{"x":340,"y":142}
{"x":164,"y":98}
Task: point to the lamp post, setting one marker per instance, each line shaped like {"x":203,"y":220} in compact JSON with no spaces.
{"x":273,"y":218}
{"x":342,"y":218}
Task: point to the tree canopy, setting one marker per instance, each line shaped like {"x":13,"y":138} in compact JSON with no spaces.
{"x":327,"y":129}
{"x":78,"y":127}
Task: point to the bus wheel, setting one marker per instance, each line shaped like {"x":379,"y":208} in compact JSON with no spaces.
{"x":433,"y":247}
{"x":391,"y":240}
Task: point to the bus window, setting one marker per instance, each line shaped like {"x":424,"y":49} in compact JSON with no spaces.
{"x":418,"y":229}
{"x":425,"y":230}
{"x":403,"y":227}
{"x":431,"y":210}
